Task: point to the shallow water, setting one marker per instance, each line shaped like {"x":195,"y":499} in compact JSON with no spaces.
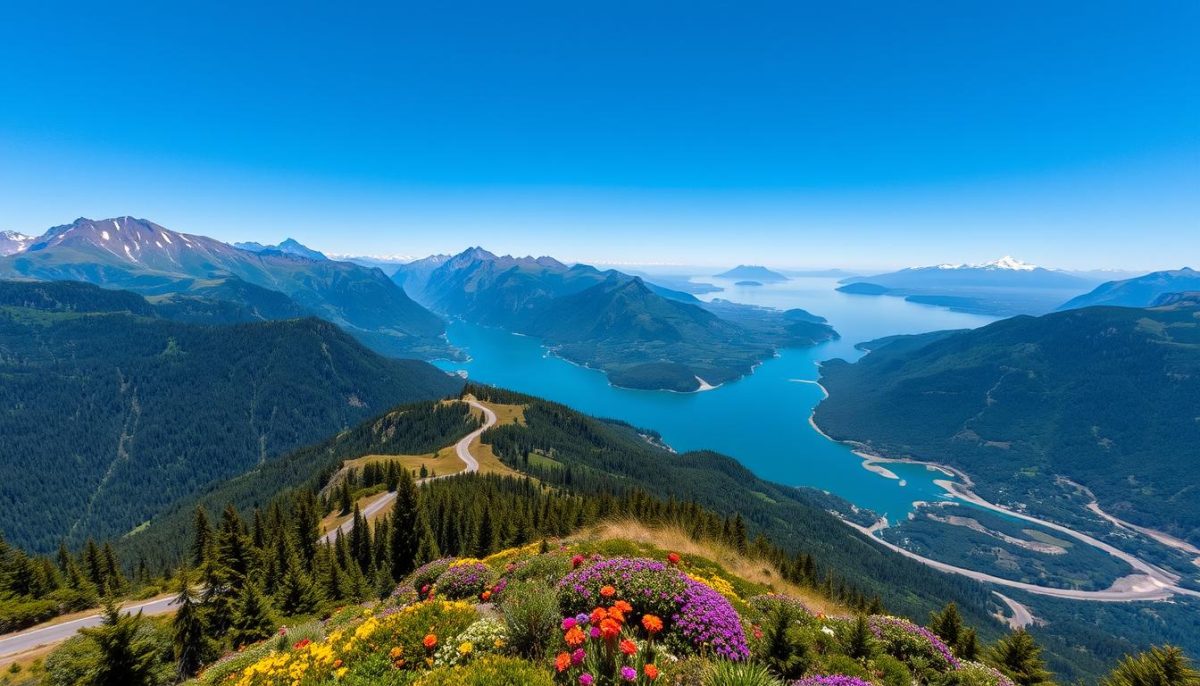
{"x":762,"y":420}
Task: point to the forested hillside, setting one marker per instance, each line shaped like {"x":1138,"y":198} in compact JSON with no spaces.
{"x":1105,"y":396}
{"x":111,"y":415}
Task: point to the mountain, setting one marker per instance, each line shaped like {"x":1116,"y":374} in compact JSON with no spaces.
{"x":139,"y":255}
{"x":289,"y":246}
{"x":640,"y":334}
{"x":745,"y":272}
{"x":1003,"y":287}
{"x":112,"y":412}
{"x":12,"y":242}
{"x":414,"y":275}
{"x":1141,"y":291}
{"x":1104,"y":396}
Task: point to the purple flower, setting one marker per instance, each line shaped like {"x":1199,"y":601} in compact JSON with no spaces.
{"x":586,"y":679}
{"x":568,"y":623}
{"x":628,"y":673}
{"x":830,"y":680}
{"x":890,"y":629}
{"x":577,"y":657}
{"x":582,"y":618}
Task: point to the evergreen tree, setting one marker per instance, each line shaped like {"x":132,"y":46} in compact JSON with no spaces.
{"x":128,"y":656}
{"x":298,"y":594}
{"x":253,"y":618}
{"x":968,"y":645}
{"x":345,"y":497}
{"x":192,"y":645}
{"x":1165,"y":666}
{"x":406,"y":534}
{"x":858,"y":643}
{"x":1019,"y":657}
{"x":202,"y":537}
{"x":947,"y":624}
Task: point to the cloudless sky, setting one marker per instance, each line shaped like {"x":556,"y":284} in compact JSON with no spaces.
{"x":858,"y":134}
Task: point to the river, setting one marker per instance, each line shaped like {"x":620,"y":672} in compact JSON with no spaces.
{"x":761,"y":420}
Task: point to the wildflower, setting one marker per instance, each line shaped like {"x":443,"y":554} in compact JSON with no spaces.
{"x":562,"y":662}
{"x":628,"y":647}
{"x":430,"y":641}
{"x":340,"y":672}
{"x":628,"y":673}
{"x":586,"y":679}
{"x":652,"y":624}
{"x":395,"y":652}
{"x":581,"y":618}
{"x":577,"y":656}
{"x":568,"y":623}
{"x":574,"y":637}
{"x":651,"y":672}
{"x":608,"y":591}
{"x":337,"y":663}
{"x":485,"y":596}
{"x":623,"y":606}
{"x":598,"y":615}
{"x":610,"y":628}
{"x":576,"y":560}
{"x":616,"y":615}
{"x":673,"y":558}
{"x":300,"y":644}
{"x":594,"y":632}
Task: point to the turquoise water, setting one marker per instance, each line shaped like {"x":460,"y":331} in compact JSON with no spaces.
{"x":762,"y":420}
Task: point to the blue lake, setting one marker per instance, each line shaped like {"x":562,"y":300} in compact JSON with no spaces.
{"x":761,"y":420}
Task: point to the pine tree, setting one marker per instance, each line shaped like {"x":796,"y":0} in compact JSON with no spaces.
{"x":128,"y":656}
{"x":947,"y":624}
{"x":345,"y":497}
{"x":406,"y":536}
{"x":1165,"y":666}
{"x":968,"y":645}
{"x":201,"y":537}
{"x":192,"y":645}
{"x":858,"y":644}
{"x":253,"y":618}
{"x":298,"y":595}
{"x":1019,"y":657}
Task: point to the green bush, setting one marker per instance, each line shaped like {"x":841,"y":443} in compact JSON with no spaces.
{"x":724,"y":673}
{"x":493,"y":671}
{"x":531,"y":615}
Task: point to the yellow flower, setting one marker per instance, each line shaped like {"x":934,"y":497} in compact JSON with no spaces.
{"x":465,"y":648}
{"x":341,"y":672}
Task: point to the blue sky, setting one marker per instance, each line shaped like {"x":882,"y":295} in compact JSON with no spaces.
{"x":792,"y":134}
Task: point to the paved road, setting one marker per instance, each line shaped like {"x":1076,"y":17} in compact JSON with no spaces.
{"x":462,"y":449}
{"x":12,"y":645}
{"x":1021,"y":616}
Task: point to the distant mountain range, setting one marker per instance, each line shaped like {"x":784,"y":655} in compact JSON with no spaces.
{"x":1106,"y":396}
{"x":640,"y":334}
{"x":12,"y":242}
{"x":289,"y":246}
{"x":204,"y":273}
{"x":1003,"y":287}
{"x":1141,"y":291}
{"x":745,"y":272}
{"x":112,"y":411}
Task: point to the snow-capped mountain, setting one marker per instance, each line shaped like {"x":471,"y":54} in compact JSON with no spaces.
{"x":12,"y":242}
{"x":1005,"y":286}
{"x":289,"y":246}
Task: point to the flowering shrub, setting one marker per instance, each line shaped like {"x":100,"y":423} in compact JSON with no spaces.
{"x":605,"y":647}
{"x":463,"y":581}
{"x":769,"y":601}
{"x":400,"y":640}
{"x":701,"y":618}
{"x":911,"y":643}
{"x":423,"y":577}
{"x":718,"y":584}
{"x":485,"y":637}
{"x":830,"y":680}
{"x":978,"y":674}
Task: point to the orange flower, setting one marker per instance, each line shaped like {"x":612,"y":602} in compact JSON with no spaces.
{"x":575,"y":637}
{"x":562,"y":662}
{"x":485,"y":595}
{"x":610,"y":628}
{"x":337,"y":663}
{"x":598,"y":615}
{"x":652,"y":624}
{"x":430,"y":641}
{"x":623,"y":606}
{"x":651,"y":672}
{"x":616,"y":614}
{"x":628,"y":647}
{"x":608,"y":591}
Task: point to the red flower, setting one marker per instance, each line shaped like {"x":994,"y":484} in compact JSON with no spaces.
{"x":485,"y":595}
{"x":300,"y":644}
{"x":598,"y":615}
{"x":430,"y":641}
{"x":628,"y":647}
{"x":608,"y":591}
{"x":562,"y":662}
{"x":610,"y":628}
{"x":673,"y":558}
{"x":651,"y":672}
{"x":652,"y":624}
{"x":576,"y":560}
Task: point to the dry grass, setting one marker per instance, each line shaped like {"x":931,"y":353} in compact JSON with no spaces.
{"x":676,"y":539}
{"x":488,"y":462}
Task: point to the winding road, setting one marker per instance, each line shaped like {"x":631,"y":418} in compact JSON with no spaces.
{"x":13,"y":646}
{"x":462,"y":449}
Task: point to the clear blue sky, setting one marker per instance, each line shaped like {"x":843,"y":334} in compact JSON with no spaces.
{"x":791,"y":134}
